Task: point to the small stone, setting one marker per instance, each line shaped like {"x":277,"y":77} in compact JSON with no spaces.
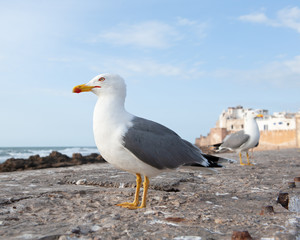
{"x":174,"y":219}
{"x":116,"y":217}
{"x":95,"y":228}
{"x":283,"y":199}
{"x":267,"y":210}
{"x":157,"y":198}
{"x":243,"y":235}
{"x":76,"y":230}
{"x":81,"y":182}
{"x":51,"y":237}
{"x":84,"y":229}
{"x":176,"y":203}
{"x":218,"y":221}
{"x":297,"y":179}
{"x":82,"y":192}
{"x":291,"y":184}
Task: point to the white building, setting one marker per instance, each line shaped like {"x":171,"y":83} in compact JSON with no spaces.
{"x":233,"y":119}
{"x":277,"y":121}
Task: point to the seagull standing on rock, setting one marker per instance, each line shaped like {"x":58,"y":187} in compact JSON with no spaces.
{"x":134,"y":144}
{"x":243,"y":140}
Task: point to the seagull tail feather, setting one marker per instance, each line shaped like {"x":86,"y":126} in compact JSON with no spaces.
{"x":214,"y":161}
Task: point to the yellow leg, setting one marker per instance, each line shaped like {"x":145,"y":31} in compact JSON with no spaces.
{"x":146,"y":185}
{"x":135,"y":203}
{"x":241,"y":162}
{"x":248,"y":161}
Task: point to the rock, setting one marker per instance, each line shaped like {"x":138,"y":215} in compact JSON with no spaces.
{"x":297,"y":179}
{"x":267,"y":210}
{"x":52,"y":237}
{"x":76,"y":230}
{"x":175,"y":219}
{"x":218,"y":221}
{"x":243,"y":235}
{"x":77,"y":156}
{"x":116,"y":217}
{"x":81,"y":182}
{"x":283,"y":199}
{"x":63,"y":238}
{"x":291,"y":184}
{"x":55,"y":159}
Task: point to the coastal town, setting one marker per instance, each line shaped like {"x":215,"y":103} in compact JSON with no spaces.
{"x":280,"y":130}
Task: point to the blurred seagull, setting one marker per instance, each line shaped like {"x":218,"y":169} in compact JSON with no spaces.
{"x":243,"y":140}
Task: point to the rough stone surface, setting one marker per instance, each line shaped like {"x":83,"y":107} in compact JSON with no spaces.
{"x":79,"y":202}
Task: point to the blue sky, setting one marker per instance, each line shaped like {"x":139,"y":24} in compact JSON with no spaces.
{"x":183,"y":62}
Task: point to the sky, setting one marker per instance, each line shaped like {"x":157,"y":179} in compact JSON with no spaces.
{"x":184,"y":62}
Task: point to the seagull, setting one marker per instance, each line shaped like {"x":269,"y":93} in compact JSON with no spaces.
{"x":133,"y":144}
{"x":243,"y":140}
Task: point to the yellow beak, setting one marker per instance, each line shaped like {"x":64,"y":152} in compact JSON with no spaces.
{"x":259,"y":115}
{"x":82,"y":88}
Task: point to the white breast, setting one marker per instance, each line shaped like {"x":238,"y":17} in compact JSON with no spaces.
{"x":110,"y":123}
{"x":252,"y":130}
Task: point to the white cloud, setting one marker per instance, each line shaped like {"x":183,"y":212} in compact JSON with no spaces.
{"x":129,"y":67}
{"x":293,"y":65}
{"x":288,"y":17}
{"x":284,"y":73}
{"x":195,"y":27}
{"x":186,"y":22}
{"x":255,"y":17}
{"x":151,"y":34}
{"x":281,"y":73}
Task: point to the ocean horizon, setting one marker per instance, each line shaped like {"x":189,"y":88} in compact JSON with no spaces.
{"x":26,"y":152}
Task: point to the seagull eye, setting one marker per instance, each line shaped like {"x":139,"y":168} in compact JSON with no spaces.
{"x":101,"y":79}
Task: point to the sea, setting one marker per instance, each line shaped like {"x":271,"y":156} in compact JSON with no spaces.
{"x":26,"y":152}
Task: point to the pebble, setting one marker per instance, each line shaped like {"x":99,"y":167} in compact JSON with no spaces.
{"x":241,"y":235}
{"x":81,"y":182}
{"x":267,"y":210}
{"x":218,"y":221}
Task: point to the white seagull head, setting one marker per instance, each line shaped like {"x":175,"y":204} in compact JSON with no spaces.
{"x":253,"y":115}
{"x":103,"y":84}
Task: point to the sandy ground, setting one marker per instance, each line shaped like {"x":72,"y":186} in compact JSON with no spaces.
{"x":48,"y":204}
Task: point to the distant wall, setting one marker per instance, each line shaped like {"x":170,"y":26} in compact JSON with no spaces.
{"x":298,"y":130}
{"x":216,"y":135}
{"x":277,"y":139}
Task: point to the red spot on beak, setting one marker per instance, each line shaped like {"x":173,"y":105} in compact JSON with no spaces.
{"x":77,"y":90}
{"x":97,"y":87}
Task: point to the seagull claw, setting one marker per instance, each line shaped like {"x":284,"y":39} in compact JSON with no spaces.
{"x":127,"y":204}
{"x":131,"y":206}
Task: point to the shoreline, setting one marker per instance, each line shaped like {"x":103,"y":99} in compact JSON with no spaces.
{"x":53,"y":160}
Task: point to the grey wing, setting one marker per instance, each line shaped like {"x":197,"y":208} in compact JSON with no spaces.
{"x":235,"y":140}
{"x":159,"y":146}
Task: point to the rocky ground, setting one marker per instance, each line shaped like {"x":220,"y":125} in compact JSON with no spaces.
{"x":79,"y":202}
